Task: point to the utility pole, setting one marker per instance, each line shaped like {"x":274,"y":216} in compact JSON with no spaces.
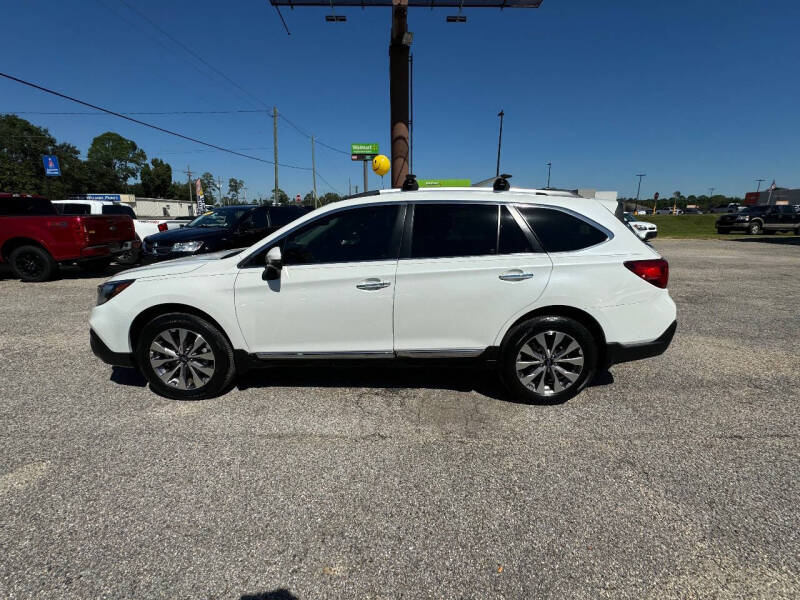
{"x":314,"y":171}
{"x":349,"y":188}
{"x":275,"y":145}
{"x":758,"y":189}
{"x":366,"y":183}
{"x":711,"y":192}
{"x":399,"y":50}
{"x":188,"y":172}
{"x":219,"y":189}
{"x":244,"y":189}
{"x":501,"y":114}
{"x":356,"y":190}
{"x":638,"y":189}
{"x":548,"y":175}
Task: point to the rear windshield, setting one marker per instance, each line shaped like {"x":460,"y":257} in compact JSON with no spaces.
{"x":26,"y":206}
{"x":118,"y":209}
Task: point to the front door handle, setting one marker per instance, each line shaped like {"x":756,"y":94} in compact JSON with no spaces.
{"x":515,"y":275}
{"x":373,"y":284}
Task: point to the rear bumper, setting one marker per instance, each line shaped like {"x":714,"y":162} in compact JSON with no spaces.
{"x":101,"y":351}
{"x":619,"y":353}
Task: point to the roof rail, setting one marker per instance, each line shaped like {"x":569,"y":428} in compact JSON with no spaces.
{"x":362,"y":195}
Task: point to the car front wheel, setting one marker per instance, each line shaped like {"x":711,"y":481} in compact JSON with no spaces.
{"x":754,"y":228}
{"x":548,"y":359}
{"x":185,"y":357}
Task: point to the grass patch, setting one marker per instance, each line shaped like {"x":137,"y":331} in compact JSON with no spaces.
{"x":684,"y":226}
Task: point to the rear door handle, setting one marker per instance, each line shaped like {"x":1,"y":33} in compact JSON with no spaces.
{"x":373,"y":283}
{"x":515,"y":275}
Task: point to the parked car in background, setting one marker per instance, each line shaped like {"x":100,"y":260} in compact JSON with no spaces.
{"x":143,"y":227}
{"x":643,"y":229}
{"x":762,"y":218}
{"x":222,"y":228}
{"x":545,"y":286}
{"x":35,"y":239}
{"x":692,"y":211}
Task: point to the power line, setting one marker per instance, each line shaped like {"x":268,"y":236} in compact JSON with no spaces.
{"x":308,"y":135}
{"x":151,"y":126}
{"x":328,"y":183}
{"x":169,"y":112}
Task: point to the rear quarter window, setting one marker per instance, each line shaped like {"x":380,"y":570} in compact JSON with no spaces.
{"x":559,"y":231}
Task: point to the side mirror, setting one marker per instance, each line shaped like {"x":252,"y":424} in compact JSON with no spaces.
{"x":274,"y":264}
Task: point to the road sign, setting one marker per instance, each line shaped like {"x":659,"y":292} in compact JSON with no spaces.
{"x":298,"y":199}
{"x":363,"y":151}
{"x":51,"y":168}
{"x":444,"y":183}
{"x":655,"y":196}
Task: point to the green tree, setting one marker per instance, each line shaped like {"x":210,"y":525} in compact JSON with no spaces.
{"x":283,"y":197}
{"x":178,"y":191}
{"x":308,"y":199}
{"x":210,"y":188}
{"x":113,"y":160}
{"x":234,"y":188}
{"x":156,"y":179}
{"x":328,"y":198}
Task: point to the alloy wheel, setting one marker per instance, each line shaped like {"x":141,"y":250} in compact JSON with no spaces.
{"x":549,"y":362}
{"x":29,"y":263}
{"x":182,"y":359}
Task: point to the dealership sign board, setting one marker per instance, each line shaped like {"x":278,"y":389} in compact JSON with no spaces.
{"x":363,"y":151}
{"x":51,"y":168}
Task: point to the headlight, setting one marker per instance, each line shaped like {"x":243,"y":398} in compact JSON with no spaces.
{"x":743,"y":218}
{"x":106,"y":291}
{"x":187,"y":246}
{"x":639,"y":226}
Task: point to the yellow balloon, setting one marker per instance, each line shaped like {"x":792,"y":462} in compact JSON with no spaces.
{"x":381,"y":165}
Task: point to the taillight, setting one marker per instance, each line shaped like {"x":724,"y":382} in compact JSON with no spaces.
{"x":652,"y":271}
{"x":162,"y":226}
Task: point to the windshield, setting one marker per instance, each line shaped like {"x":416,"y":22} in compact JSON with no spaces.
{"x":629,"y":217}
{"x":220,"y":217}
{"x":752,"y":209}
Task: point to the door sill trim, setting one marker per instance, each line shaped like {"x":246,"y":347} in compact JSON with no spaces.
{"x":326,"y":355}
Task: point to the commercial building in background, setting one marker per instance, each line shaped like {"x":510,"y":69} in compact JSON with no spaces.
{"x":146,"y":208}
{"x":775,"y":196}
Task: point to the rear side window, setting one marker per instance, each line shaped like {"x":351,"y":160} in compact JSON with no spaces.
{"x":256,"y":219}
{"x":73,"y":209}
{"x":26,"y":206}
{"x":118,"y":209}
{"x":561,"y":232}
{"x":512,"y":239}
{"x":448,"y":230}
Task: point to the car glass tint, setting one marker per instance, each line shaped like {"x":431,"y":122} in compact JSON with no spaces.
{"x":222,"y":217}
{"x":449,"y":230}
{"x":281,"y":215}
{"x":118,"y":209}
{"x":355,"y":235}
{"x":73,"y":209}
{"x":561,"y":232}
{"x":256,"y":220}
{"x":26,"y":206}
{"x":512,"y":239}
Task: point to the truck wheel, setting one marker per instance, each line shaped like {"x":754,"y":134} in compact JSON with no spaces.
{"x":32,"y":263}
{"x":547,"y":360}
{"x":96,"y":265}
{"x":754,"y":228}
{"x":185,"y":357}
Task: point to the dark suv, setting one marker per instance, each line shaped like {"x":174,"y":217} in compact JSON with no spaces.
{"x":222,"y":228}
{"x":766,"y":218}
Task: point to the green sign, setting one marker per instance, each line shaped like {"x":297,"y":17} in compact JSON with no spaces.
{"x":432,"y":183}
{"x":363,"y":151}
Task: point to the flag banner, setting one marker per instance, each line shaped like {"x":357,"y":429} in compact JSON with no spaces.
{"x":201,"y":199}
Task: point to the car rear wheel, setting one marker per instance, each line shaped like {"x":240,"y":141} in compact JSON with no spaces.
{"x":754,"y":228}
{"x":548,"y":359}
{"x":131,"y":257}
{"x":32,"y":263}
{"x":185,"y":357}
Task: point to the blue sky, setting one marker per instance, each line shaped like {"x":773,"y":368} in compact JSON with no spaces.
{"x":694,"y":94}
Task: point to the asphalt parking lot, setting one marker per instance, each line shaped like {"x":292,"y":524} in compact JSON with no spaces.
{"x":675,"y":477}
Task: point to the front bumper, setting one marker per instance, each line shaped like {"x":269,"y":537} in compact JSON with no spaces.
{"x":619,"y":353}
{"x":101,"y":351}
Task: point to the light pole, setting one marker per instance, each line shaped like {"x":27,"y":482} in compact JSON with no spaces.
{"x":758,"y":189}
{"x":501,"y":114}
{"x":548,"y":175}
{"x":711,"y":194}
{"x":638,"y":188}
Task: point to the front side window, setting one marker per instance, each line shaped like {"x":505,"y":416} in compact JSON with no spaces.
{"x":356,"y":235}
{"x":450,"y":230}
{"x":20,"y":206}
{"x":559,"y":231}
{"x":256,"y":220}
{"x":220,"y":217}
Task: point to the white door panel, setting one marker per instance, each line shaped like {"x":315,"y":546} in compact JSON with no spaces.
{"x":318,"y":308}
{"x":461,"y":303}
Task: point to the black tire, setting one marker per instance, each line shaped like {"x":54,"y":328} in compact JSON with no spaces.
{"x":95,"y":265}
{"x":131,"y":257}
{"x":221,"y":362}
{"x":754,"y":228}
{"x":32,"y":263}
{"x":523,"y":335}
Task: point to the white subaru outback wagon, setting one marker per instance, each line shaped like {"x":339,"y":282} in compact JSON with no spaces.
{"x":547,"y":286}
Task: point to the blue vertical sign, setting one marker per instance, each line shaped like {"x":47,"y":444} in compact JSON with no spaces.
{"x":51,"y":168}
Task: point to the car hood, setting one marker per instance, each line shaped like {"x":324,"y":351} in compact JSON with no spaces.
{"x":176,"y":266}
{"x":184,"y":234}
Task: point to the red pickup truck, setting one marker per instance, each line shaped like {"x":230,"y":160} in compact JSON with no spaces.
{"x":35,"y":239}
